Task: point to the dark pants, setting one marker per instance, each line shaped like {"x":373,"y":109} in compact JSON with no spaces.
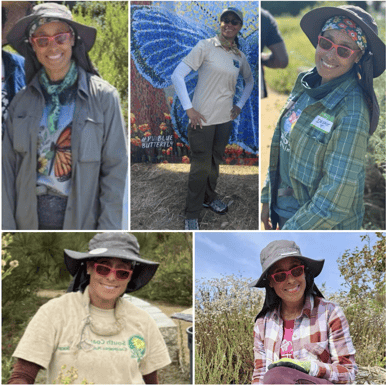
{"x":286,"y":376}
{"x":207,"y":147}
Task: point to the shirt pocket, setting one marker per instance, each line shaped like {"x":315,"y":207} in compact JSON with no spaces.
{"x":318,"y":351}
{"x":307,"y":157}
{"x":318,"y":135}
{"x":91,"y":140}
{"x":22,"y":133}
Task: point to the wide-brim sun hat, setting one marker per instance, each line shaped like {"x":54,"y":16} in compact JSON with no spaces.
{"x":313,"y":22}
{"x":113,"y":244}
{"x":278,"y":250}
{"x":18,"y":36}
{"x":235,"y":11}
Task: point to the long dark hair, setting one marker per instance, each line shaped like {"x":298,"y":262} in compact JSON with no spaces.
{"x":236,"y":41}
{"x":272,"y":300}
{"x":364,"y":69}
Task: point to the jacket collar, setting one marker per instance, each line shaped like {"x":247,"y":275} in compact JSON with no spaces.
{"x":216,"y":41}
{"x":332,"y":99}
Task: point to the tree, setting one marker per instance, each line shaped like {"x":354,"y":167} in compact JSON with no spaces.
{"x":364,"y":270}
{"x":110,"y":51}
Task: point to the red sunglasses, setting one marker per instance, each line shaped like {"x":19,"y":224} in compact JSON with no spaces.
{"x":105,"y":270}
{"x":279,"y":277}
{"x":342,"y":51}
{"x":43,"y":41}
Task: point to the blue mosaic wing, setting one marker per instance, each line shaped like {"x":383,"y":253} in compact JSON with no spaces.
{"x":160,"y":39}
{"x":245,"y":132}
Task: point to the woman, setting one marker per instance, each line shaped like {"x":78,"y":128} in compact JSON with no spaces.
{"x":93,"y":329}
{"x":316,"y":175}
{"x":298,"y":336}
{"x":64,"y":150}
{"x":218,"y":62}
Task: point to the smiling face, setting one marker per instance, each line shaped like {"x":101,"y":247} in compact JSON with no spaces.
{"x":290,"y":291}
{"x":104,"y":290}
{"x":55,"y":58}
{"x":228,"y":30}
{"x":331,"y":66}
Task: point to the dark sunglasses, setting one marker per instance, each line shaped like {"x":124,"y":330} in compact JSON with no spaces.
{"x":279,"y":277}
{"x":342,"y":51}
{"x":105,"y":270}
{"x":43,"y":41}
{"x":233,"y":22}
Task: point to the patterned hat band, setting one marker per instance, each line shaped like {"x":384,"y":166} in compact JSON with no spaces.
{"x":44,"y":20}
{"x":349,"y":27}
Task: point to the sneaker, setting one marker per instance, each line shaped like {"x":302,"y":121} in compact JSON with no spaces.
{"x":216,"y":206}
{"x":191,"y":224}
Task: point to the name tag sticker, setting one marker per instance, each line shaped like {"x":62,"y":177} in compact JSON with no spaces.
{"x":323,"y":122}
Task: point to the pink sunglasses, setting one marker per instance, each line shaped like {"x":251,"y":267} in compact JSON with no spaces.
{"x":279,"y":277}
{"x":105,"y":270}
{"x":342,"y":51}
{"x":43,"y":41}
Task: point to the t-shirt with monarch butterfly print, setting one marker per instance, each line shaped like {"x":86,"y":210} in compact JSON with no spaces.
{"x":54,"y":151}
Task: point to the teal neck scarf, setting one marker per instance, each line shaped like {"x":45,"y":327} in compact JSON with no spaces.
{"x":54,"y":90}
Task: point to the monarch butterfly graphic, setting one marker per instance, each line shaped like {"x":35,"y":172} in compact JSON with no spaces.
{"x":61,"y":160}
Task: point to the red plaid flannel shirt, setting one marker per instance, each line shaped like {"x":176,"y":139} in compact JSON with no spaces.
{"x":321,"y":335}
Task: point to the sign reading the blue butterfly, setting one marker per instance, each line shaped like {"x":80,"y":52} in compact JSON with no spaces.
{"x":162,"y":34}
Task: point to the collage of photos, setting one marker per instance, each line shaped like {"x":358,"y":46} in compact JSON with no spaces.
{"x":179,"y":207}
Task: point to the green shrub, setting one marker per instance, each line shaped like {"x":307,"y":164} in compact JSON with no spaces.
{"x":110,"y":51}
{"x":173,"y":280}
{"x":224,"y":318}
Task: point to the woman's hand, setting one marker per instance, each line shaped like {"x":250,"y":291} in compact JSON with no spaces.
{"x":235,"y":112}
{"x":195,"y":118}
{"x":265,"y":217}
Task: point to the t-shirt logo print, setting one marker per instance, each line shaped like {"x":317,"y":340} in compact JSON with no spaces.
{"x":137,"y":346}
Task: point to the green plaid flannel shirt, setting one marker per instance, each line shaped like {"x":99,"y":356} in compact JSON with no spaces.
{"x":327,"y":169}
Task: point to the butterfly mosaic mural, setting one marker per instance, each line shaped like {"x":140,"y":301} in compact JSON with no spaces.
{"x":163,"y":33}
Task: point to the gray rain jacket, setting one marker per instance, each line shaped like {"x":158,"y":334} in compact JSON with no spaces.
{"x":99,"y":158}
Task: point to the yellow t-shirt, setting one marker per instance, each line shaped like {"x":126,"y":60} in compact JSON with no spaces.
{"x":52,"y":339}
{"x":218,"y":71}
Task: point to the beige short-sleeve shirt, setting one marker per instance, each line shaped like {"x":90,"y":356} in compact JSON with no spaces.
{"x":137,"y":350}
{"x":218,"y":71}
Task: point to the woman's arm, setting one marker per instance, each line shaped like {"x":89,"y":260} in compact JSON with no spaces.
{"x":264,"y":198}
{"x":178,"y":79}
{"x":259,"y":356}
{"x":343,"y":368}
{"x":114,"y":164}
{"x":24,"y":372}
{"x":8,"y":178}
{"x":151,"y":379}
{"x":246,"y":92}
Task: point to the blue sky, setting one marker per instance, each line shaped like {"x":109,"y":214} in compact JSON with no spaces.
{"x":224,"y":253}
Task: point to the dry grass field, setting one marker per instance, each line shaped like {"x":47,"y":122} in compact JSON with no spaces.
{"x":158,"y":195}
